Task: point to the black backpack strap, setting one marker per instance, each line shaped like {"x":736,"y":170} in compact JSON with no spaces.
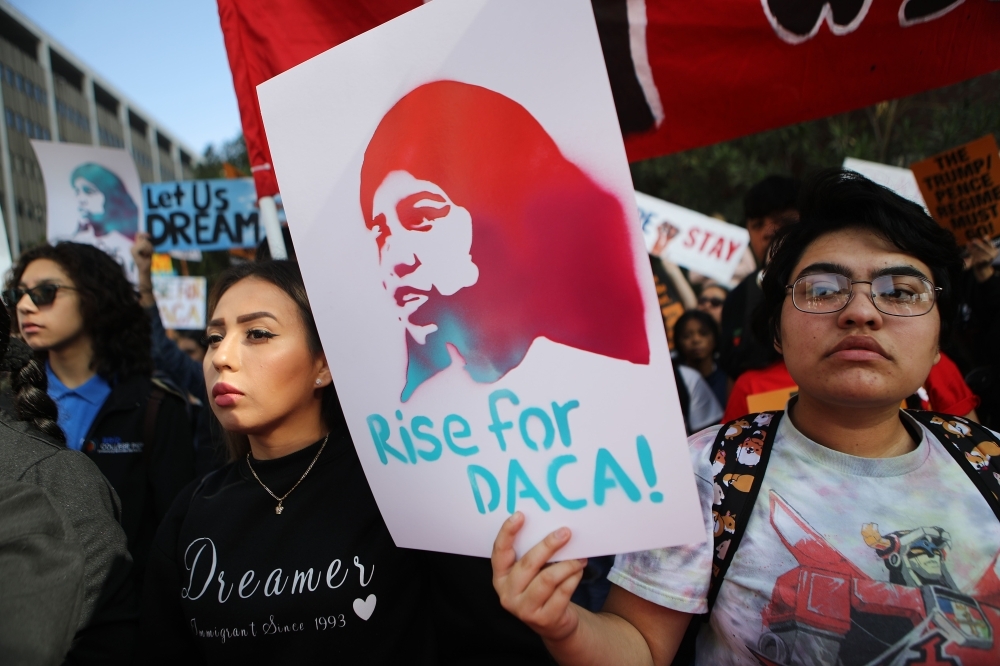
{"x":974,"y":448}
{"x":736,"y":484}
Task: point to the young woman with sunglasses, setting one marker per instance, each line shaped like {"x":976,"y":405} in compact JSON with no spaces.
{"x":77,"y":311}
{"x":281,"y":556}
{"x":871,"y":537}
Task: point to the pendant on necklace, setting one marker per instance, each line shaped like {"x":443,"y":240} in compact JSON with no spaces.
{"x":278,"y":509}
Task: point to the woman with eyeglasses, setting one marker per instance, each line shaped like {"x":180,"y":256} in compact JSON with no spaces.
{"x":80,"y":315}
{"x":840,"y":530}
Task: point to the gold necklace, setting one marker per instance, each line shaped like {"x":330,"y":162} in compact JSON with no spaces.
{"x":278,"y":509}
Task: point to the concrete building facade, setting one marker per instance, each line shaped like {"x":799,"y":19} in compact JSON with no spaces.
{"x":47,"y":93}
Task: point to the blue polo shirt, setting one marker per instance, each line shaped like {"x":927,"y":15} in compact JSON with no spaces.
{"x":77,"y":407}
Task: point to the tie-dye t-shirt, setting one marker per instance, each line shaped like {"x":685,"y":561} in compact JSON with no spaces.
{"x":846,"y":560}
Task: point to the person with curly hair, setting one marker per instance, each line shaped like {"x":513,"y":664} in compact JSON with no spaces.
{"x":77,"y":311}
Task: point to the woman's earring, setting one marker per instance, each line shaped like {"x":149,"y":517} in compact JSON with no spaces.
{"x":318,"y":382}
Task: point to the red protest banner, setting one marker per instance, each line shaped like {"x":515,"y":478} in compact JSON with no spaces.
{"x":962,"y":189}
{"x":683,"y":74}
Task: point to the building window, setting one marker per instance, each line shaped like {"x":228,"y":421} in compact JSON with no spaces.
{"x":109,"y":138}
{"x":72,"y":115}
{"x":18,"y":122}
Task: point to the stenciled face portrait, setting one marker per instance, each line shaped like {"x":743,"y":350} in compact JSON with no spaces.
{"x":486,"y":236}
{"x":425,"y":243}
{"x":89,"y":200}
{"x":103,"y":203}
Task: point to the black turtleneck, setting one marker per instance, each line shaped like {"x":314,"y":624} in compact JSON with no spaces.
{"x":230,"y":581}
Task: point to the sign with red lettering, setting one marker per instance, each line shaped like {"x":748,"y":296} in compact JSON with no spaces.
{"x":697,"y":242}
{"x":181,"y":300}
{"x":962,"y":189}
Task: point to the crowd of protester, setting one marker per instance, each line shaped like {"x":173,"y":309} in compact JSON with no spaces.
{"x":143,"y":522}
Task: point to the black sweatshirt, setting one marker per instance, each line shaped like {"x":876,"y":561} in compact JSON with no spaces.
{"x":231,"y":582}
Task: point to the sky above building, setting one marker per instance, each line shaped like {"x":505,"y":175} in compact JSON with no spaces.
{"x":168,"y":57}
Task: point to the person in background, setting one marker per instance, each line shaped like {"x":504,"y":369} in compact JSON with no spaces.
{"x":77,"y":311}
{"x":696,"y":336}
{"x":673,"y":291}
{"x":192,"y":343}
{"x":180,"y":363}
{"x":769,"y":206}
{"x":66,"y":593}
{"x":976,"y":350}
{"x":289,"y":528}
{"x":712,"y":298}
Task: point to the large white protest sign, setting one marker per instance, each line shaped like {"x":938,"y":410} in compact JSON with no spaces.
{"x":696,"y":242}
{"x":463,"y":213}
{"x":180,"y":300}
{"x":900,"y":181}
{"x":93,"y":196}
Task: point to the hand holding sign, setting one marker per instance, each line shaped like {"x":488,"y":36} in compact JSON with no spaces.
{"x":982,"y":256}
{"x":537,"y":594}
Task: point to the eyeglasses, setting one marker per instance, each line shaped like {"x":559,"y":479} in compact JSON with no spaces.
{"x":896,"y":295}
{"x":42,"y":294}
{"x":714,"y":302}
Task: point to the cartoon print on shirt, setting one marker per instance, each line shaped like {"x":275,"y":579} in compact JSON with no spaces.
{"x":735,"y":428}
{"x":718,"y":463}
{"x":742,"y":482}
{"x":749,"y":450}
{"x":763,"y":419}
{"x":726,"y":523}
{"x":920,"y":616}
{"x":959,"y":427}
{"x":717,"y":494}
{"x":979,"y":457}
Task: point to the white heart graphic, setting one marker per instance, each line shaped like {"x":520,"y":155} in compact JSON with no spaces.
{"x":364,"y":609}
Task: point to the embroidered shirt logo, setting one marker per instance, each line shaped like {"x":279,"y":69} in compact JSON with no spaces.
{"x":112,"y":445}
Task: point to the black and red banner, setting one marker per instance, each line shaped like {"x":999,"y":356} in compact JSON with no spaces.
{"x":683,"y":74}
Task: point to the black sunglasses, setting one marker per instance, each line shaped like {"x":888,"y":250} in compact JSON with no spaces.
{"x":42,"y":294}
{"x":713,"y":301}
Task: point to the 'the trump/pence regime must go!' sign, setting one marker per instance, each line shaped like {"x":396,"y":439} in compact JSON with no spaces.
{"x":962,"y":189}
{"x":464,"y":217}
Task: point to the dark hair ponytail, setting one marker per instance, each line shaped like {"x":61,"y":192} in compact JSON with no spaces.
{"x":29,"y":383}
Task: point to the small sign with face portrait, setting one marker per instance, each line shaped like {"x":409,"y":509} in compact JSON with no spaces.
{"x":92,"y":196}
{"x":461,"y":205}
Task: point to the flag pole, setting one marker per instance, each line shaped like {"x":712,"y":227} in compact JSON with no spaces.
{"x":272,"y":227}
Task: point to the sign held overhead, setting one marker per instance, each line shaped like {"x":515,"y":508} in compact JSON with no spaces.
{"x":962,"y":189}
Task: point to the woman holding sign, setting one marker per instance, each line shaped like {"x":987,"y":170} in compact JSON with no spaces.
{"x":282,"y":555}
{"x":874,"y":534}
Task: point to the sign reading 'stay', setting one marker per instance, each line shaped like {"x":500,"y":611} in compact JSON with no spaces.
{"x":695,"y":241}
{"x":463,"y":213}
